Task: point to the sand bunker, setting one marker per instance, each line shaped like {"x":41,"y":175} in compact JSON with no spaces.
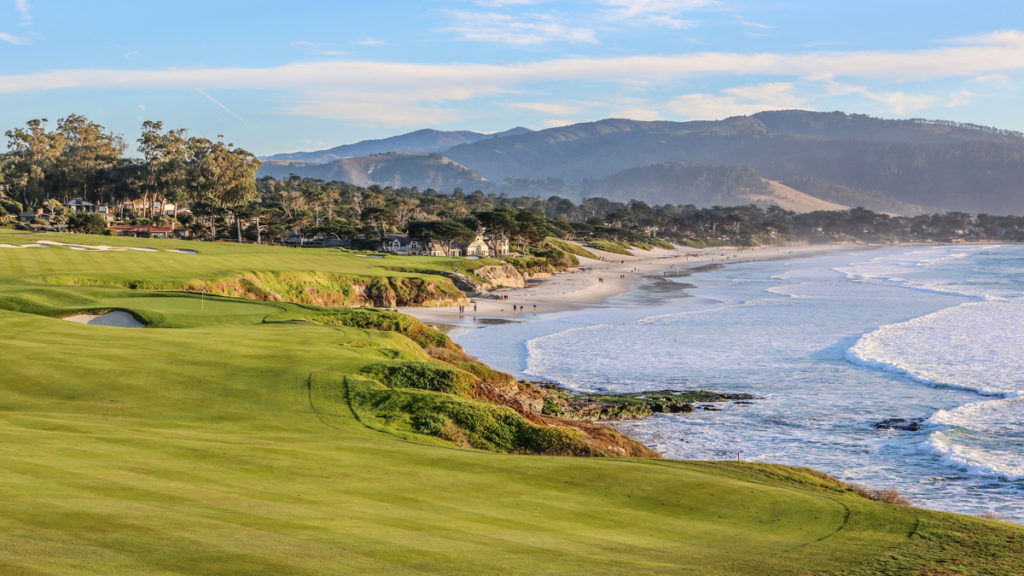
{"x":116,"y":318}
{"x":92,"y":247}
{"x":24,"y":246}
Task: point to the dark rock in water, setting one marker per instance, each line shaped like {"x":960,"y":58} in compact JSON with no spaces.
{"x":912,"y":425}
{"x":631,"y":405}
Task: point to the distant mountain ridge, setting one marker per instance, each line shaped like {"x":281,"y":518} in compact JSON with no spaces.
{"x":419,"y":142}
{"x":900,"y":166}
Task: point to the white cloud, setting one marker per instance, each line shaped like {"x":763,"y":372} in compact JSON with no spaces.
{"x":400,"y":93}
{"x":750,"y":24}
{"x":503,"y":3}
{"x":740,"y":101}
{"x":662,"y":13}
{"x":636,"y":113}
{"x":711,"y":107}
{"x":531,"y":29}
{"x":318,"y":48}
{"x":23,"y":8}
{"x":467,"y":79}
{"x":557,"y":123}
{"x":372,"y":42}
{"x":372,"y":108}
{"x":903,"y":103}
{"x":12,"y":39}
{"x":550,"y":108}
{"x":894,"y":102}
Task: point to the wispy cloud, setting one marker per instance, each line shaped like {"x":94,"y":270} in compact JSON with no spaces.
{"x":503,"y":3}
{"x":895,"y":102}
{"x":738,"y":101}
{"x":12,"y":39}
{"x":751,"y":24}
{"x":399,"y":93}
{"x":961,"y":98}
{"x":127,"y":52}
{"x":318,"y":48}
{"x":529,"y":29}
{"x":222,"y":107}
{"x":372,"y":42}
{"x":22,"y":7}
{"x":372,"y":108}
{"x":662,"y":13}
{"x":636,"y":113}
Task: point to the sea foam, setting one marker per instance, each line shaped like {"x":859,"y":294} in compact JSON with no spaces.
{"x":975,"y":346}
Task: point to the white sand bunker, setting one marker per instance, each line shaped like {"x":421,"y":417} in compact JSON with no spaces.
{"x":116,"y":318}
{"x":91,"y":247}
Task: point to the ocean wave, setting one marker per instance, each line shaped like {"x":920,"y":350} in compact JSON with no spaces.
{"x":982,"y":438}
{"x":922,"y":270}
{"x":974,"y":346}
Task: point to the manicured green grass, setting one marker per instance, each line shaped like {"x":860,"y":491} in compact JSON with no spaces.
{"x":223,"y":440}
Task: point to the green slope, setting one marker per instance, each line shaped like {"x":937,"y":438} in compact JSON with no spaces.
{"x":223,"y":440}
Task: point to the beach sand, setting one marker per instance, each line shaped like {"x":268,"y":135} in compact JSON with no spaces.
{"x":593,"y":281}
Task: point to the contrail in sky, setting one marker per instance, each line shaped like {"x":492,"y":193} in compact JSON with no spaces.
{"x":223,"y":107}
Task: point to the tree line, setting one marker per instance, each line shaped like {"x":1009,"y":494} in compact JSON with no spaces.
{"x":81,"y":159}
{"x":217,"y":182}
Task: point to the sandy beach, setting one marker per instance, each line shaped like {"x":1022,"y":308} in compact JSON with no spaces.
{"x":595,"y":280}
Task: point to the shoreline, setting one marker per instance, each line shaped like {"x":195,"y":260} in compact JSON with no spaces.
{"x":593,"y":282}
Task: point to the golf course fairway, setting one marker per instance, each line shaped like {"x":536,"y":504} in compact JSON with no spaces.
{"x":222,"y":439}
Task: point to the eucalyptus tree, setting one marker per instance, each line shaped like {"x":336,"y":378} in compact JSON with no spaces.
{"x":88,"y":151}
{"x":32,"y":162}
{"x":165,"y":171}
{"x":223,"y":176}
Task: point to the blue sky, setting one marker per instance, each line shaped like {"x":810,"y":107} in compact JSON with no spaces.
{"x":275,"y":76}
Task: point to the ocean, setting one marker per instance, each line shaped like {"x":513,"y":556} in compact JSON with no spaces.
{"x":831,"y":345}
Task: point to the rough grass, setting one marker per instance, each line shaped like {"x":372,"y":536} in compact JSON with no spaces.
{"x":569,"y":247}
{"x":223,"y":440}
{"x":609,"y":246}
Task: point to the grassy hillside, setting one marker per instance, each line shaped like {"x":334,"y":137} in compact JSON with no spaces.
{"x":242,"y":437}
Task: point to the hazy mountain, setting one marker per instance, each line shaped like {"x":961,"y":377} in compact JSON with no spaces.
{"x":703,"y":185}
{"x":899,"y":163}
{"x":901,"y":166}
{"x":396,"y":170}
{"x":418,"y":142}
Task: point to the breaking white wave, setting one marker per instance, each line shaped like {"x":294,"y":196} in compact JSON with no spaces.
{"x":983,"y":438}
{"x":917,"y":269}
{"x":975,"y":346}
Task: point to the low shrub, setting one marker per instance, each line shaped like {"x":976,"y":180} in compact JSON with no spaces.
{"x":422,"y":376}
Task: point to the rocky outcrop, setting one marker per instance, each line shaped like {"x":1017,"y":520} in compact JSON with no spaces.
{"x":911,"y":425}
{"x":554,"y":401}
